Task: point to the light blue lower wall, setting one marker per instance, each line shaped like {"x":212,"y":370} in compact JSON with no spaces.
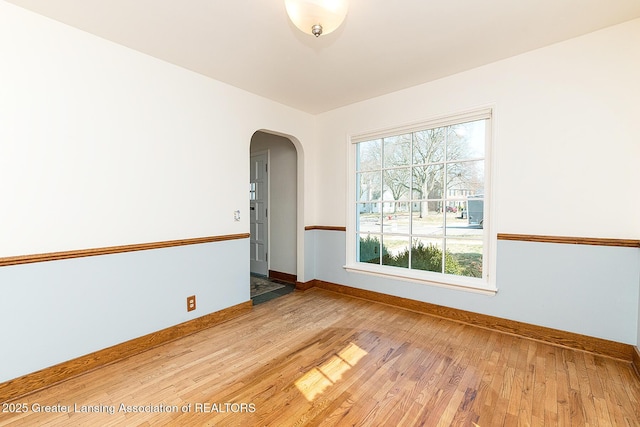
{"x":56,"y":311}
{"x":589,"y":290}
{"x":309,"y":256}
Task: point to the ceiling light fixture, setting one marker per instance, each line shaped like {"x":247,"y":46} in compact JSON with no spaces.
{"x":317,"y":17}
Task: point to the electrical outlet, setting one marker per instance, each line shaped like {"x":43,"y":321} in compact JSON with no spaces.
{"x":236,"y":215}
{"x":191,"y":303}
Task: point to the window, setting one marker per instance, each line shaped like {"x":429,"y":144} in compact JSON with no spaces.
{"x":419,"y":204}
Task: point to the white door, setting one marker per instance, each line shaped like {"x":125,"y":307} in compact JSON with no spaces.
{"x":258,"y":198}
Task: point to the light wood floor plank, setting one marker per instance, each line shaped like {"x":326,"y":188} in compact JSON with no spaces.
{"x":317,"y":358}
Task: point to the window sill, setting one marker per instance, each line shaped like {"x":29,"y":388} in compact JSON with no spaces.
{"x":465,"y":284}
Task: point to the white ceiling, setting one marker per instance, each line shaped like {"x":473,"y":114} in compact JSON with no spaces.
{"x":383,"y":46}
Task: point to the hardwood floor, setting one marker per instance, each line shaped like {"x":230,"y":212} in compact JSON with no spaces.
{"x":322,"y":359}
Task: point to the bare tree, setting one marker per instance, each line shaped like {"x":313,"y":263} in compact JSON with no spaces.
{"x":396,"y":181}
{"x":434,"y":150}
{"x":414,"y":164}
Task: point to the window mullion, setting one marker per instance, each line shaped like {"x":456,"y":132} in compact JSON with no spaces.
{"x":411,"y":200}
{"x":381,"y":203}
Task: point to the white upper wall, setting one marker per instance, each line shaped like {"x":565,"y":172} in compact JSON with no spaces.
{"x":566,"y":148}
{"x":101,"y":145}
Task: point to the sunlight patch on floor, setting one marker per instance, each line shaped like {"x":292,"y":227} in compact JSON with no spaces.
{"x":318,"y":379}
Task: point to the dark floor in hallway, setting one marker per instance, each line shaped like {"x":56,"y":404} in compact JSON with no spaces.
{"x":283,"y":289}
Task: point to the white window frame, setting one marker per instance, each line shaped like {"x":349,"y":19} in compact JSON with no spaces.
{"x":484,"y":285}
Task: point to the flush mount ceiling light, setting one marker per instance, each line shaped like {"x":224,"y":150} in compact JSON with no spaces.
{"x":316,"y":16}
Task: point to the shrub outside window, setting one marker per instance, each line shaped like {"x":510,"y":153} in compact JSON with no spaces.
{"x":420,"y":199}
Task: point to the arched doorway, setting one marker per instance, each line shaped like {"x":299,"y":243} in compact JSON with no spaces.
{"x":274,"y":215}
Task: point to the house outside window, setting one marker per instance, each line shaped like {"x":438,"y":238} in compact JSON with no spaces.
{"x":419,"y":201}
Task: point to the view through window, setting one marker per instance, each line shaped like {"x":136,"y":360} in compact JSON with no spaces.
{"x":420,"y":199}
